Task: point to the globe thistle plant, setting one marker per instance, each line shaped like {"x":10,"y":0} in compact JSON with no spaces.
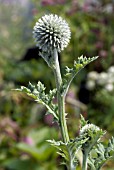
{"x":52,"y":34}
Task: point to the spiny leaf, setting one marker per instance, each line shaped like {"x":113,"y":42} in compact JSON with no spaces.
{"x":83,"y":122}
{"x":69,"y":150}
{"x":109,"y":151}
{"x":63,"y":150}
{"x":70,"y":73}
{"x":103,"y":154}
{"x":39,"y":95}
{"x":82,"y":61}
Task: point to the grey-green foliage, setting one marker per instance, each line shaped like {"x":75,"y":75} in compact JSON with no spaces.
{"x":84,"y":142}
{"x":70,"y":73}
{"x":90,"y":132}
{"x":88,"y":140}
{"x":101,"y":155}
{"x":38,"y":92}
{"x":39,"y":95}
{"x":89,"y":143}
{"x":96,"y":152}
{"x":69,"y":150}
{"x":93,"y":133}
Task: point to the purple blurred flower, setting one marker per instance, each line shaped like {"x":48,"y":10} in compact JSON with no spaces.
{"x":71,"y":94}
{"x":91,"y":5}
{"x":103,"y":53}
{"x":112,"y":48}
{"x":52,"y":2}
{"x":60,"y":1}
{"x":96,"y":31}
{"x":10,"y":128}
{"x":99,"y":45}
{"x":74,"y":7}
{"x":47,"y":2}
{"x":87,"y":8}
{"x":29,"y":141}
{"x":48,"y":119}
{"x":34,"y":11}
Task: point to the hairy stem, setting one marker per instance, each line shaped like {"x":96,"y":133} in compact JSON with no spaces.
{"x":84,"y":164}
{"x":60,"y":97}
{"x":71,"y":166}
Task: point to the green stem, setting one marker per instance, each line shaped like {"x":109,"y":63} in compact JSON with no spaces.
{"x":84,"y":164}
{"x":71,"y":166}
{"x":60,"y":97}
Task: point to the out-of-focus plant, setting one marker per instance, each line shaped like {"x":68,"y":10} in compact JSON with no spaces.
{"x":101,"y":92}
{"x":20,"y":151}
{"x":52,"y":35}
{"x":12,"y":27}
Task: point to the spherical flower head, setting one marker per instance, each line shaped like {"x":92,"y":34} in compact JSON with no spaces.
{"x":109,"y":87}
{"x":90,"y":84}
{"x":51,"y":32}
{"x":92,"y":134}
{"x":93,"y":75}
{"x":89,"y":127}
{"x":111,"y":70}
{"x":102,"y":78}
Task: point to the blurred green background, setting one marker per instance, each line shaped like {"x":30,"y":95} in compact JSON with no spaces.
{"x":24,"y":127}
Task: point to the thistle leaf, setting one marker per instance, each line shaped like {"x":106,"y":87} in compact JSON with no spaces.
{"x":83,"y":122}
{"x":69,"y":150}
{"x":70,"y":73}
{"x":103,"y":154}
{"x":39,"y":95}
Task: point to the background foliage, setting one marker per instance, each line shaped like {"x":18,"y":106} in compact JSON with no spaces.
{"x":23,"y":127}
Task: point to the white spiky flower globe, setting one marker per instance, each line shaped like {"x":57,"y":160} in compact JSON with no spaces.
{"x":89,"y":127}
{"x":51,"y":32}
